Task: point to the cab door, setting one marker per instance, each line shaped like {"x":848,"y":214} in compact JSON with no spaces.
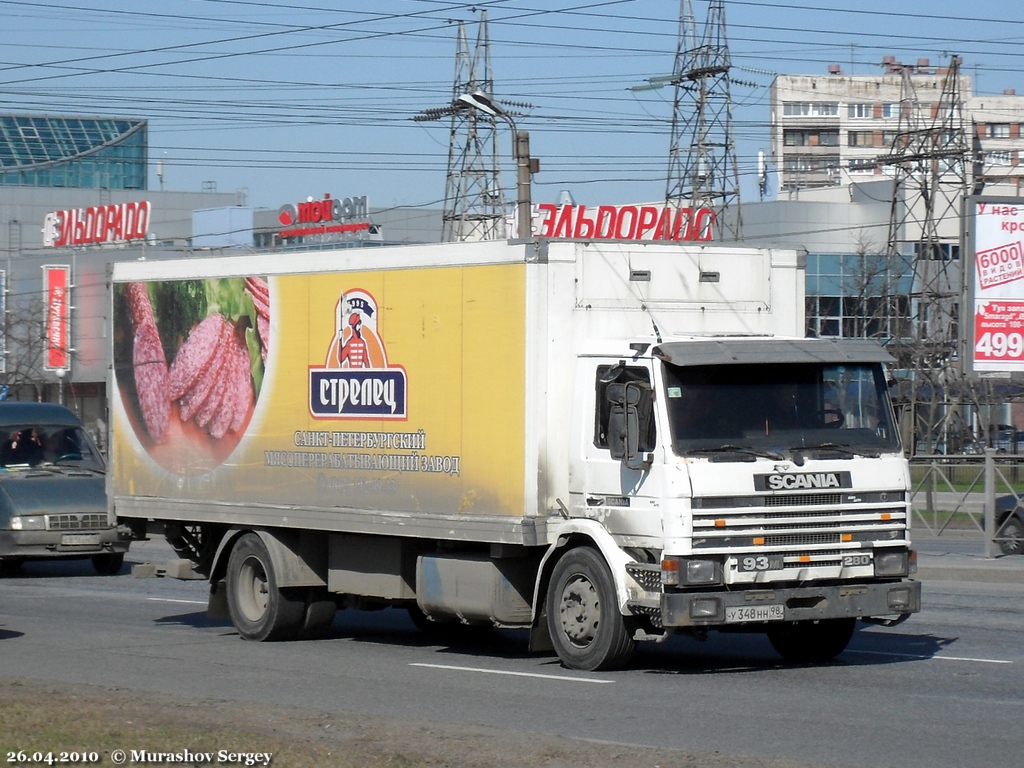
{"x":616,"y":419}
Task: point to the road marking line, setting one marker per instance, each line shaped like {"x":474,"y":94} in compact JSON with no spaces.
{"x":173,"y":600}
{"x":926,"y":658}
{"x":562,"y":678}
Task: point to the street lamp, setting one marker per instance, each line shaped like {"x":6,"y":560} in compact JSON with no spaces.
{"x":525,"y":165}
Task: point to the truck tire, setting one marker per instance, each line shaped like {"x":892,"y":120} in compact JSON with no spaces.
{"x":811,"y":642}
{"x":108,"y":564}
{"x":587,"y":629}
{"x":259,"y":609}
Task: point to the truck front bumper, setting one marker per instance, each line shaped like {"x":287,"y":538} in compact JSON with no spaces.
{"x":810,"y":603}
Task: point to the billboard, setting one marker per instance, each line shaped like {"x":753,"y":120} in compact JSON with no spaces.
{"x":96,"y":225}
{"x":994,"y":277}
{"x":56,"y":290}
{"x":392,"y":389}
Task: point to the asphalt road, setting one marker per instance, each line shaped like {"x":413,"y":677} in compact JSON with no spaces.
{"x":942,"y":689}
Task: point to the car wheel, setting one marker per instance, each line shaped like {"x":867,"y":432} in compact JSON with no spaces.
{"x":1010,"y":536}
{"x":108,"y":564}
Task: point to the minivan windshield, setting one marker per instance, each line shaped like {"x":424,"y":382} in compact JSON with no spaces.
{"x":33,"y":445}
{"x":780,"y":410}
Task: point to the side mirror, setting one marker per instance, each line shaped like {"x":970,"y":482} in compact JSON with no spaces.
{"x":629,"y":408}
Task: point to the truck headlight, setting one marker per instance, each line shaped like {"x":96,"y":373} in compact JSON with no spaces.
{"x":28,"y":523}
{"x":680,"y":571}
{"x":900,"y":599}
{"x":892,"y":563}
{"x":705,"y":608}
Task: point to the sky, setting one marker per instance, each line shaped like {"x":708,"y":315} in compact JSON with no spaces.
{"x":284,"y":100}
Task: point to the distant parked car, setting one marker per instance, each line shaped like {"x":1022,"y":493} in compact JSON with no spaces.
{"x":1010,"y":524}
{"x":53,"y":501}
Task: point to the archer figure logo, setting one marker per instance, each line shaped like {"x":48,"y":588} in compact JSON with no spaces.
{"x":356,"y":381}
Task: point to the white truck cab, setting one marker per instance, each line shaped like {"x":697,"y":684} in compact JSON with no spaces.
{"x":756,"y":483}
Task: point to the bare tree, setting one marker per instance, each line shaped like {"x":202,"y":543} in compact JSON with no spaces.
{"x":25,"y":347}
{"x":874,"y":306}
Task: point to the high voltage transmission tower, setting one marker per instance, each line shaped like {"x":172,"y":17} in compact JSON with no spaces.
{"x":702,"y":168}
{"x":928,"y":162}
{"x":474,"y":204}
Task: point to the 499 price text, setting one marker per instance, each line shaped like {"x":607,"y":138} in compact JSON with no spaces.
{"x":1000,"y":345}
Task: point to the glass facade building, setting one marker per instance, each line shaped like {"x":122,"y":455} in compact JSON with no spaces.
{"x":858,"y":295}
{"x":73,"y":152}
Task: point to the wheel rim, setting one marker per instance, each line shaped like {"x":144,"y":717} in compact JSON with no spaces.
{"x":253,"y":589}
{"x":1013,"y":543}
{"x":580,"y":611}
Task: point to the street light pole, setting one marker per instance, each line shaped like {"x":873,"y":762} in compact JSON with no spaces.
{"x":525,"y":165}
{"x":524,"y":201}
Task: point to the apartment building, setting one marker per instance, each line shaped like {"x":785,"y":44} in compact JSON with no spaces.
{"x":830,"y":130}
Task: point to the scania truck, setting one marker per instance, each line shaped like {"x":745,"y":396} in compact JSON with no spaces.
{"x":600,"y":442}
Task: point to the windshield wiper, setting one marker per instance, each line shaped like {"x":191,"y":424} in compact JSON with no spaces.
{"x":844,"y":452}
{"x":727,"y":452}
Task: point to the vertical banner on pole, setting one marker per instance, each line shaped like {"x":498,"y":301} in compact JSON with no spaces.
{"x":3,"y":321}
{"x":55,"y":287}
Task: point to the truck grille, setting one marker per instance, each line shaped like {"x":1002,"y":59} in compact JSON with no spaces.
{"x":85,"y":521}
{"x":801,"y":539}
{"x":791,"y":521}
{"x":791,"y":500}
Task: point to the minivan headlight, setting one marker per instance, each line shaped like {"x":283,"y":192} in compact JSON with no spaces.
{"x":28,"y":523}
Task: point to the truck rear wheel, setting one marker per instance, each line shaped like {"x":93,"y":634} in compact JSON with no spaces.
{"x":259,"y":609}
{"x":809,"y":642}
{"x":584,"y":621}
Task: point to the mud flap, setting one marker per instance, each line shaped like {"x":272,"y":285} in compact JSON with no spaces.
{"x":217,"y":607}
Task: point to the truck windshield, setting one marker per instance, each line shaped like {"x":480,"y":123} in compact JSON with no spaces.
{"x":33,"y":445}
{"x":793,"y":410}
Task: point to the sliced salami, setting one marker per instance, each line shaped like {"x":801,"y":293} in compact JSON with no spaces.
{"x":195,"y":355}
{"x":262,"y":306}
{"x":237,"y":365}
{"x":212,"y":405}
{"x":244,"y":396}
{"x":194,"y":398}
{"x":258,"y":286}
{"x":263,"y":328}
{"x":140,"y":308}
{"x":152,"y":381}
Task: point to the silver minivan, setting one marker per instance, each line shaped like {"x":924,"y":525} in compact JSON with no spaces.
{"x":53,"y":501}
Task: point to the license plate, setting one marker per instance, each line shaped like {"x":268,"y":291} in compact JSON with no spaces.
{"x":739,"y":614}
{"x":80,"y":540}
{"x":749,"y":563}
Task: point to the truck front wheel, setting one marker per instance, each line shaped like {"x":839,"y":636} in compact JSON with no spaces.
{"x":584,"y":621}
{"x":259,"y":609}
{"x":810,"y":642}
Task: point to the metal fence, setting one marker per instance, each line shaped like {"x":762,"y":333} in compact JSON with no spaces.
{"x":966,"y":493}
